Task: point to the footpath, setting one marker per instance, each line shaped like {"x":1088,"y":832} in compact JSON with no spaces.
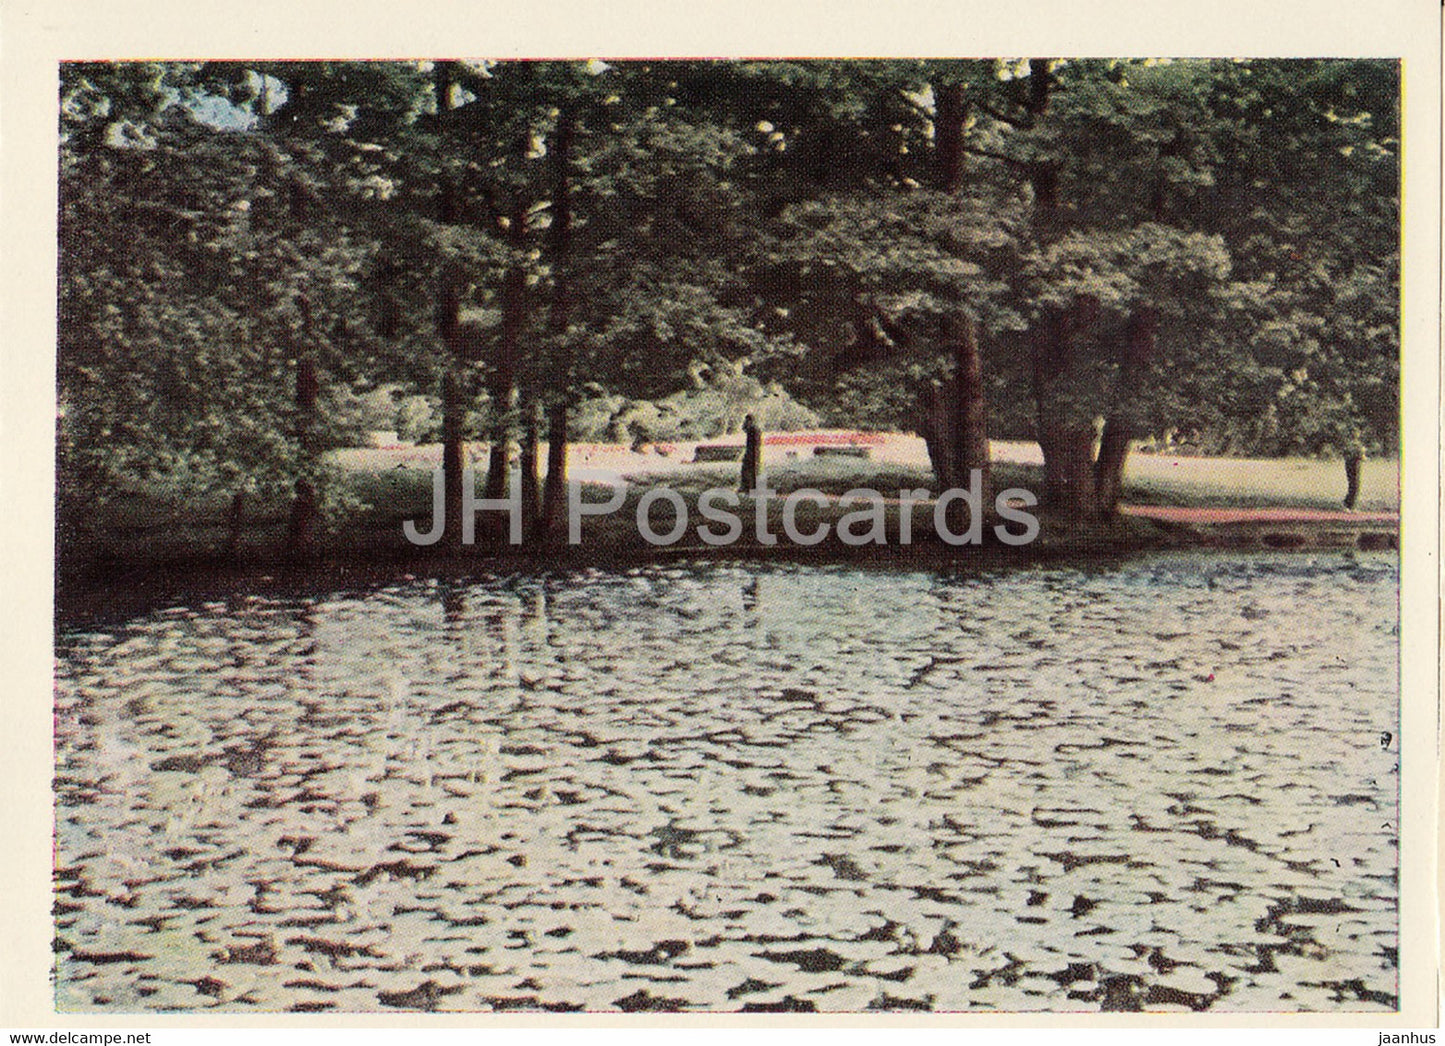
{"x":1207,"y":516}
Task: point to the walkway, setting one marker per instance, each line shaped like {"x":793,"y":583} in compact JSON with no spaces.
{"x":1181,"y":514}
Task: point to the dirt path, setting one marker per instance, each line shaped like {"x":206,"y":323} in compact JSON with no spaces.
{"x":1182,"y":514}
{"x":1244,"y":490}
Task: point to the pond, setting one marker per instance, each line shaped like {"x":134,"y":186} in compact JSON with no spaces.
{"x":1169,"y":783}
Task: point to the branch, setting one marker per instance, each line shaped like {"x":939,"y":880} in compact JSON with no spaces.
{"x":921,"y":110}
{"x":1022,"y":123}
{"x":169,"y":210}
{"x":471,"y":81}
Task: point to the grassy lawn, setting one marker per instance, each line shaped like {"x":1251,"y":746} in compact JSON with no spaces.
{"x":1149,"y":480}
{"x":400,"y":494}
{"x":1257,"y":483}
{"x":152,"y":526}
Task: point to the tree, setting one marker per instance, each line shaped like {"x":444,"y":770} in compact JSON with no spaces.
{"x":1307,"y":194}
{"x":927,"y":243}
{"x":197,"y":280}
{"x":1102,"y":149}
{"x":880,"y":241}
{"x":1139,"y":231}
{"x":1155,"y":203}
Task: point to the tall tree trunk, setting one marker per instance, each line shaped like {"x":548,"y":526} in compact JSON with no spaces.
{"x":305,"y":511}
{"x":448,"y":321}
{"x":1066,"y":438}
{"x":951,"y":113}
{"x":972,"y":409}
{"x":1139,"y":345}
{"x":235,"y":527}
{"x":940,"y":432}
{"x":503,"y":384}
{"x":454,"y":406}
{"x":301,"y":527}
{"x":531,"y":422}
{"x":955,"y":415}
{"x":1069,"y":468}
{"x":453,"y":449}
{"x":1109,"y":468}
{"x":554,"y":490}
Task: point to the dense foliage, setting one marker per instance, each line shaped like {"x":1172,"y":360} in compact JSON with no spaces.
{"x":248,"y":250}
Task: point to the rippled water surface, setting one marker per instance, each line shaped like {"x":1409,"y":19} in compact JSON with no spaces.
{"x":1170,"y":784}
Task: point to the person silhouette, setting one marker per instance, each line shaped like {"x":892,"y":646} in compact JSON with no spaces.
{"x":752,"y":455}
{"x":1354,"y":454}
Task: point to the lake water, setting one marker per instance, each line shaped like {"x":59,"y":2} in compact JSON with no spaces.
{"x":1170,"y":783}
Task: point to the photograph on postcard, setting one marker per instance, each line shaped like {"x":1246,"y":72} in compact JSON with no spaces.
{"x":818,"y":535}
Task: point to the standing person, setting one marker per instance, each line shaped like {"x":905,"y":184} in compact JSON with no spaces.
{"x":752,"y":456}
{"x":1354,"y":461}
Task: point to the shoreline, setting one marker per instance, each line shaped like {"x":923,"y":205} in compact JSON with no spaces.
{"x":108,"y":588}
{"x":147,"y":547}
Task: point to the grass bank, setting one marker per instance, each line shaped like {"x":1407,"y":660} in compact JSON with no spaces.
{"x":151,"y":537}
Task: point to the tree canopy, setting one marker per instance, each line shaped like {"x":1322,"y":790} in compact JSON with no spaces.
{"x":1141,"y":246}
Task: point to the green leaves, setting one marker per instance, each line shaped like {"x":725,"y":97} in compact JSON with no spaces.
{"x":194,"y":271}
{"x":1151,"y":265}
{"x":814,"y":223}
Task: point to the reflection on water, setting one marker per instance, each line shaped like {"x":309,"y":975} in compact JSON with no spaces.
{"x":1171,"y":784}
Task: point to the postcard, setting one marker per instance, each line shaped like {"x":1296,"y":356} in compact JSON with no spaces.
{"x":870,"y":531}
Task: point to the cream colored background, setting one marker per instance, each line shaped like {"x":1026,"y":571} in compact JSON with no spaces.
{"x":35,"y":36}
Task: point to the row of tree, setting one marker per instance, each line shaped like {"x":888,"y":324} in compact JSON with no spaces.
{"x":1050,"y":244}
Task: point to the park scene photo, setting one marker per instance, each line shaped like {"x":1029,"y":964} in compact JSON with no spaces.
{"x":712,"y":536}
